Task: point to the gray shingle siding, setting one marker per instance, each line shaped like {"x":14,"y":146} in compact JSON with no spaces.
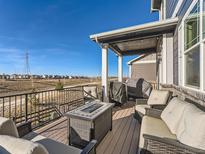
{"x":170,"y":7}
{"x":184,"y":7}
{"x":175,"y":59}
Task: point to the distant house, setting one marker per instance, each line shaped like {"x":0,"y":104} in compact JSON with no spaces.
{"x":13,"y":76}
{"x":45,"y":76}
{"x":144,"y":66}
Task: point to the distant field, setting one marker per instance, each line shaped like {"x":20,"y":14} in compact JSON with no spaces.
{"x":14,"y":86}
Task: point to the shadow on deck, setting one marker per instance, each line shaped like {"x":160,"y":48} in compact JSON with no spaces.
{"x":122,"y":139}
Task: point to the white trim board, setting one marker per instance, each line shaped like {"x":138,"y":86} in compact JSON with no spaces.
{"x":144,"y":62}
{"x":135,"y":59}
{"x":176,"y":10}
{"x":136,"y":29}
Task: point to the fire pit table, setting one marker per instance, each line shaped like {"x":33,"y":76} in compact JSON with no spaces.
{"x":90,"y":121}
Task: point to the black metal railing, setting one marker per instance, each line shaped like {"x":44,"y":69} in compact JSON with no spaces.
{"x":42,"y":107}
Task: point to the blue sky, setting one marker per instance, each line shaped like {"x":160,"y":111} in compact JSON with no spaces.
{"x":56,"y":33}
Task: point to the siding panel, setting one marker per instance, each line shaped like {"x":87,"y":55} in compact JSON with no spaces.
{"x":175,"y":59}
{"x":146,"y":71}
{"x":170,"y":7}
{"x":184,"y":7}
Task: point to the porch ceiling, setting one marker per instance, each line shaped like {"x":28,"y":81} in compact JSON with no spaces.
{"x":137,"y":39}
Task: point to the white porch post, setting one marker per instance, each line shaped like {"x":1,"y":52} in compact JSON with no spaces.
{"x":105,"y":71}
{"x":130,"y":71}
{"x":120,"y":68}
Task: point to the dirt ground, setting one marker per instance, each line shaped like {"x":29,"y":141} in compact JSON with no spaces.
{"x":15,"y":86}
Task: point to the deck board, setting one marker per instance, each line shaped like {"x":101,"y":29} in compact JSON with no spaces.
{"x":123,"y":138}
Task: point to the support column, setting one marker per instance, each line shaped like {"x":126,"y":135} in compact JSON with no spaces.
{"x":120,"y":68}
{"x":130,"y":71}
{"x":105,"y":71}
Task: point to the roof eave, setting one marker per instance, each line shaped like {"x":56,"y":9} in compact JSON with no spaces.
{"x":123,"y":31}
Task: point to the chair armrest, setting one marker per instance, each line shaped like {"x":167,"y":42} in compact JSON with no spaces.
{"x":159,"y":107}
{"x":8,"y":127}
{"x":153,"y":112}
{"x":141,"y":101}
{"x":24,"y":128}
{"x":156,"y":144}
{"x":90,"y":148}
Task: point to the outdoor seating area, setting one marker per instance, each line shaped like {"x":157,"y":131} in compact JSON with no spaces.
{"x":173,"y":129}
{"x":53,"y":138}
{"x":163,"y":123}
{"x":123,"y":115}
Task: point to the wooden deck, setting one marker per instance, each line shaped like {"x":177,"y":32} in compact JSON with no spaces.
{"x":122,"y":139}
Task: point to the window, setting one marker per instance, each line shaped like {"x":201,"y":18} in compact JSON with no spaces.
{"x":203,"y":44}
{"x":192,"y":27}
{"x":203,"y":18}
{"x":192,"y":47}
{"x":192,"y":61}
{"x":204,"y":64}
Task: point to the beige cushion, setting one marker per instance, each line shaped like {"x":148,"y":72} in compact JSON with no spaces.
{"x":54,"y":147}
{"x":141,"y":108}
{"x":155,"y":127}
{"x":13,"y":145}
{"x":8,"y":127}
{"x":158,"y":97}
{"x":172,"y":114}
{"x":192,"y":127}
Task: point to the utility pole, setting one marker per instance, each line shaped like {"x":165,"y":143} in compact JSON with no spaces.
{"x":27,"y":68}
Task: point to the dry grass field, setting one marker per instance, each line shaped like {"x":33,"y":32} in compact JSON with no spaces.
{"x":16,"y":86}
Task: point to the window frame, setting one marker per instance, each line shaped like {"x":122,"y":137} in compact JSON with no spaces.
{"x":200,"y":43}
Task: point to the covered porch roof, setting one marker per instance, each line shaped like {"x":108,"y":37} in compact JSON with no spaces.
{"x":136,"y":39}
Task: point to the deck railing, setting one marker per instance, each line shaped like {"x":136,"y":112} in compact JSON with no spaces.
{"x":41,"y":107}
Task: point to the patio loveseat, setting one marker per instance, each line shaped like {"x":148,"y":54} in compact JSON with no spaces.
{"x":179,"y":128}
{"x":10,"y":143}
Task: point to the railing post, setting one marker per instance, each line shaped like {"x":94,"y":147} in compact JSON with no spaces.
{"x":26,"y":107}
{"x":83,"y":94}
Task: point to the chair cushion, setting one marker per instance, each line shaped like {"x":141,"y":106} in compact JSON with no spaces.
{"x":141,"y":108}
{"x":54,"y":147}
{"x":13,"y":145}
{"x":158,"y":97}
{"x":192,"y":127}
{"x":8,"y":127}
{"x":155,"y":127}
{"x":172,"y":114}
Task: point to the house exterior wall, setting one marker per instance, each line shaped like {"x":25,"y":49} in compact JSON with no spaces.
{"x":169,"y":60}
{"x":172,"y":4}
{"x":143,"y":67}
{"x":150,"y":57}
{"x":144,"y":70}
{"x":175,"y":59}
{"x":184,"y":7}
{"x":170,"y":8}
